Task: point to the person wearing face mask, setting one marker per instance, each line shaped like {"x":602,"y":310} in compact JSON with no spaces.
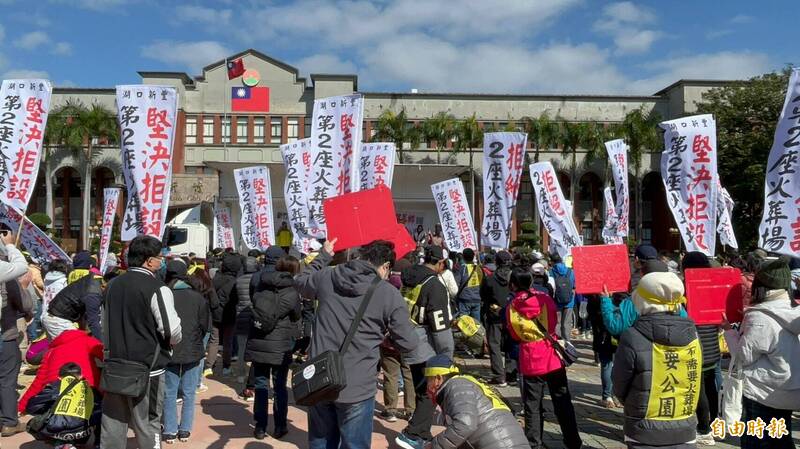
{"x":475,"y":416}
{"x":339,"y":292}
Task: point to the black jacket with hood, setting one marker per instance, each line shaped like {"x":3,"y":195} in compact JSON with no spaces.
{"x":433,"y":315}
{"x":88,"y":289}
{"x":495,"y":289}
{"x":339,"y":291}
{"x":276,"y":305}
{"x":193,"y":310}
{"x":244,"y":295}
{"x":225,"y":286}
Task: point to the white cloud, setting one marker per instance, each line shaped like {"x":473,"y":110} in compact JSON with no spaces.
{"x":203,"y":16}
{"x":187,"y":55}
{"x":25,"y":73}
{"x":741,"y":19}
{"x":30,"y":41}
{"x":325,"y":63}
{"x":626,"y":24}
{"x":93,"y":5}
{"x":67,"y":83}
{"x":62,"y":49}
{"x":718,"y":33}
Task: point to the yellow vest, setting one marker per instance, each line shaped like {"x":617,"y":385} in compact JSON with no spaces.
{"x":675,"y":381}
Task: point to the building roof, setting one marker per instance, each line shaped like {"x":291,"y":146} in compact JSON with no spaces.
{"x":697,"y":82}
{"x":180,"y":75}
{"x":257,"y":54}
{"x":335,"y":77}
{"x":510,"y":96}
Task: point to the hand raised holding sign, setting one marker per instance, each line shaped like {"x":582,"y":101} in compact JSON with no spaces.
{"x":327,"y":247}
{"x":605,"y":291}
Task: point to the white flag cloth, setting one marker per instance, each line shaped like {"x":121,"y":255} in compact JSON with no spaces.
{"x":255,"y":201}
{"x":297,"y":162}
{"x":689,"y":172}
{"x":724,"y":220}
{"x":780,"y":223}
{"x":503,"y":161}
{"x":147,"y":122}
{"x":38,"y":244}
{"x":24,"y":105}
{"x":454,"y":214}
{"x":376,"y":165}
{"x":610,"y":236}
{"x":335,"y":144}
{"x":110,"y":202}
{"x":618,"y":158}
{"x":554,"y":210}
{"x":223,"y":228}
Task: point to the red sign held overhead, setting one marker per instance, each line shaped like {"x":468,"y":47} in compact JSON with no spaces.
{"x":599,"y":265}
{"x":355,"y":219}
{"x":710,"y":292}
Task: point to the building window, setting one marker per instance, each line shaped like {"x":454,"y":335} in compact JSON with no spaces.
{"x":258,"y":130}
{"x":226,"y":130}
{"x":191,"y":129}
{"x":241,"y":130}
{"x":276,"y":124}
{"x":208,"y":129}
{"x":307,"y":128}
{"x":292,"y":129}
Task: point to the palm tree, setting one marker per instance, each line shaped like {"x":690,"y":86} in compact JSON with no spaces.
{"x":571,"y":137}
{"x":542,"y":132}
{"x":640,"y":131}
{"x":395,"y":127}
{"x":53,"y":137}
{"x":469,"y":135}
{"x":83,"y":127}
{"x":440,"y":128}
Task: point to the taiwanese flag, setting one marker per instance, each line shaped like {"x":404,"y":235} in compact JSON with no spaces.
{"x":235,"y":68}
{"x":250,"y":99}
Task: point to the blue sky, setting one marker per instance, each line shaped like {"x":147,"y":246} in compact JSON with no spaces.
{"x":491,"y":46}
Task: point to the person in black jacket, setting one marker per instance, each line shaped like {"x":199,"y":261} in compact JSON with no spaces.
{"x":201,"y":283}
{"x":184,"y":369}
{"x":223,"y":332}
{"x":495,"y":294}
{"x":87,"y":288}
{"x":276,"y":310}
{"x":244,"y":314}
{"x":604,"y":346}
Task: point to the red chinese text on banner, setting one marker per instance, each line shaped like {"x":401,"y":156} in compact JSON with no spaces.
{"x":255,"y":201}
{"x":110,"y":201}
{"x":297,"y":163}
{"x":689,"y":172}
{"x":554,"y":210}
{"x":503,"y":162}
{"x":24,"y":105}
{"x":454,"y":215}
{"x":147,"y":122}
{"x":36,"y":242}
{"x":376,"y":165}
{"x":223,"y":228}
{"x":710,"y":292}
{"x":618,"y":159}
{"x":591,"y":266}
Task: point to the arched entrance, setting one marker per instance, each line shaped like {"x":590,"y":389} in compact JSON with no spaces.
{"x":656,"y":216}
{"x":67,"y":204}
{"x":588,"y":210}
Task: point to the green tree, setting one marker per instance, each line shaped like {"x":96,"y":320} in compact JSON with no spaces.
{"x":746,"y":114}
{"x":84,"y":125}
{"x":54,"y":136}
{"x":395,"y":127}
{"x":571,"y":136}
{"x":640,"y":131}
{"x":542,"y":133}
{"x":469,"y":135}
{"x":440,"y":128}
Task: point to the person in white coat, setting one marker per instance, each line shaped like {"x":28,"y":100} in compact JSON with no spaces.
{"x":767,"y":348}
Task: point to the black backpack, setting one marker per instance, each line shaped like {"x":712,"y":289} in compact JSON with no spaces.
{"x":265,"y":311}
{"x":563,"y":289}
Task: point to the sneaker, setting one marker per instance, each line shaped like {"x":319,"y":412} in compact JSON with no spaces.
{"x":179,"y":401}
{"x":183,"y":436}
{"x":705,"y":439}
{"x":248,"y":395}
{"x":608,"y":403}
{"x":169,"y":438}
{"x":279,"y":433}
{"x":10,"y":431}
{"x":409,"y":442}
{"x":208,"y":372}
{"x":388,"y":416}
{"x":587,"y":335}
{"x":259,"y":434}
{"x":227,"y":372}
{"x":202,"y":388}
{"x":617,"y":403}
{"x":400,"y":394}
{"x":499,"y":383}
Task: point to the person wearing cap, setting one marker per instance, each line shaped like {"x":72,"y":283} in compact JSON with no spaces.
{"x":431,"y":322}
{"x":657,"y":368}
{"x":475,"y":416}
{"x":641,"y":255}
{"x":495,"y":295}
{"x":767,"y":348}
{"x":541,"y":280}
{"x":564,"y":297}
{"x":185,"y":367}
{"x":87,"y":287}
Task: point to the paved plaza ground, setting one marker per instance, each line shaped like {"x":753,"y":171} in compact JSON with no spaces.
{"x":225,"y":421}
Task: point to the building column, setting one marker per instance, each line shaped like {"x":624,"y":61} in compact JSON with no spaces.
{"x":65,"y":206}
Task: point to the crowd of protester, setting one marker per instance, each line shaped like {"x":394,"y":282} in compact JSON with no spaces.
{"x":131,"y":348}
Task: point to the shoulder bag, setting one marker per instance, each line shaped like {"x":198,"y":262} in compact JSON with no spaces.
{"x":566,"y":351}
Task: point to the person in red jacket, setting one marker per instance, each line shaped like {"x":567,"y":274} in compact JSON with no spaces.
{"x":73,"y":345}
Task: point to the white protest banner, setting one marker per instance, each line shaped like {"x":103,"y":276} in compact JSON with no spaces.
{"x":335,"y":144}
{"x":618,"y":158}
{"x":780,"y":223}
{"x":610,"y":236}
{"x":147,"y":122}
{"x":554,"y":210}
{"x":110,"y":201}
{"x":457,"y":226}
{"x":503,"y":161}
{"x":724,"y":220}
{"x":297,"y":162}
{"x":255,"y":201}
{"x":38,"y":244}
{"x":223,"y":228}
{"x":689,"y":172}
{"x":24,"y":105}
{"x":377,"y":165}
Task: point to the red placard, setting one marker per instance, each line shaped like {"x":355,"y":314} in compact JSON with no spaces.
{"x":598,"y":265}
{"x":357,"y":218}
{"x":710,"y":292}
{"x":403,"y":243}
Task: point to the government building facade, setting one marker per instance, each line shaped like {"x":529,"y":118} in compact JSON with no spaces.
{"x":211,"y":141}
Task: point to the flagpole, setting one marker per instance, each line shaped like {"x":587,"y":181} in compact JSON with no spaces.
{"x":225,"y":108}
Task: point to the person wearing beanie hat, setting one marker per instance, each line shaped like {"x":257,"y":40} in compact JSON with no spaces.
{"x":495,"y":295}
{"x":475,"y":415}
{"x":657,"y":367}
{"x":767,"y":349}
